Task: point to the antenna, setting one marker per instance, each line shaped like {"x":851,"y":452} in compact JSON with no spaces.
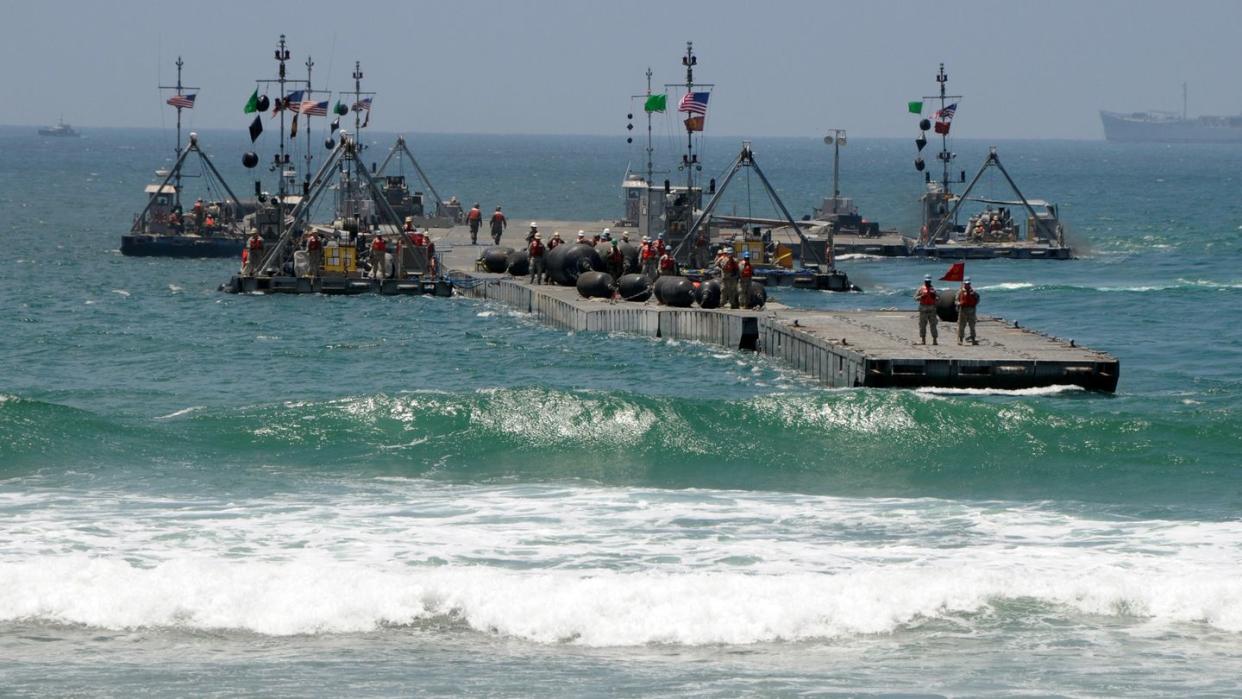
{"x":179,"y":88}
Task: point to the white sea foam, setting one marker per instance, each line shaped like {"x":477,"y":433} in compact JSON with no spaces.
{"x":594,"y":566}
{"x":1038,"y":391}
{"x":179,"y":413}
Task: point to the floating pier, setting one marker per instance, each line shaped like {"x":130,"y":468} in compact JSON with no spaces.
{"x":839,"y":348}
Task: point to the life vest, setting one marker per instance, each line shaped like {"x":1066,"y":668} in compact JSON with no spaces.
{"x":968,"y":299}
{"x":554,"y":243}
{"x":418,"y":239}
{"x":210,"y":221}
{"x":926,"y":296}
{"x":660,"y":247}
{"x":312,"y":243}
{"x":616,"y":256}
{"x":730,"y":266}
{"x":378,"y":245}
{"x":647,"y":252}
{"x":255,"y":243}
{"x":747,"y":270}
{"x":498,"y":219}
{"x":666,"y":263}
{"x":536,"y":248}
{"x":474,"y":215}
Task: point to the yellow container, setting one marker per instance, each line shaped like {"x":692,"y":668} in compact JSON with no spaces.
{"x":341,"y":260}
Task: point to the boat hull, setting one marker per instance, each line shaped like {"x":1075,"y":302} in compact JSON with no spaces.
{"x":138,"y":245}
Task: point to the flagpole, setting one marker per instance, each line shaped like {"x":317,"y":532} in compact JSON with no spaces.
{"x":310,"y":94}
{"x":180,"y":88}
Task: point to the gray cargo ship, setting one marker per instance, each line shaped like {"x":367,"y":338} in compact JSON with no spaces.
{"x":1171,"y":127}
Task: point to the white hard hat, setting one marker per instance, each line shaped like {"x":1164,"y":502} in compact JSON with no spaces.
{"x":926,"y":277}
{"x":966,"y":280}
{"x":534,"y":225}
{"x":607,"y":230}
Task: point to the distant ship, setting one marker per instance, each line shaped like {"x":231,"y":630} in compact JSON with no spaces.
{"x":61,"y":129}
{"x":1170,"y":127}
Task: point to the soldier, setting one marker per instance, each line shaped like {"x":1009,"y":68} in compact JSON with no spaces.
{"x":746,"y":273}
{"x":668,"y":265}
{"x":616,"y":261}
{"x":254,"y":254}
{"x":728,"y":279}
{"x":314,"y":251}
{"x":926,"y":296}
{"x":499,"y":223}
{"x":379,"y":258}
{"x":475,"y":219}
{"x":967,"y":301}
{"x":649,"y":259}
{"x":535,"y":254}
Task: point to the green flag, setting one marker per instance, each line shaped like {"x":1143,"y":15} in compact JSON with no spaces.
{"x":656,"y":103}
{"x":252,"y":104}
{"x":915,"y":107}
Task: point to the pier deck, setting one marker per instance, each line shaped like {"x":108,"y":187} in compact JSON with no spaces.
{"x":839,"y":348}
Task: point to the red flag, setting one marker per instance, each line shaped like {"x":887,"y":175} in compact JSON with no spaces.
{"x":956,"y":273}
{"x":942,"y":127}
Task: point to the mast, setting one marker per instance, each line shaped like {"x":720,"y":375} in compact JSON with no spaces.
{"x":945,"y":156}
{"x":1185,"y":114}
{"x":309,"y":95}
{"x":178,"y":87}
{"x":689,"y":160}
{"x":650,"y":172}
{"x":835,"y":137}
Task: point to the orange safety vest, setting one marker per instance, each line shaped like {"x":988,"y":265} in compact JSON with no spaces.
{"x":968,"y":298}
{"x":312,"y":243}
{"x":927,"y":296}
{"x":647,"y":251}
{"x":256,"y":243}
{"x":474,"y":215}
{"x":555,"y":242}
{"x":666,"y":263}
{"x":747,"y":270}
{"x":730,"y":265}
{"x":615,"y":255}
{"x":378,"y":245}
{"x":536,"y":248}
{"x":660,"y":247}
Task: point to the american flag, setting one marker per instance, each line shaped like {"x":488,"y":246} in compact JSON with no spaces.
{"x":313,"y":108}
{"x":694,"y":102}
{"x":182,"y":101}
{"x":362,"y":105}
{"x":946,"y":114}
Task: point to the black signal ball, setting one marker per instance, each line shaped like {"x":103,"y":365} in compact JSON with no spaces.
{"x":629,"y":116}
{"x":250,"y":159}
{"x":629,"y":140}
{"x":629,"y":127}
{"x":329,"y":144}
{"x":924,"y":124}
{"x":921,"y":141}
{"x":918,"y":164}
{"x":264,"y":103}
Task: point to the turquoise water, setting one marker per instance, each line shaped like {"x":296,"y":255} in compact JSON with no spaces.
{"x":212,"y":494}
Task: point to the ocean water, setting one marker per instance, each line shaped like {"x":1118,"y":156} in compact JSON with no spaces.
{"x":204,"y":494}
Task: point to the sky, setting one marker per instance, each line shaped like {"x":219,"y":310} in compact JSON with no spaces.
{"x":1034,"y":69}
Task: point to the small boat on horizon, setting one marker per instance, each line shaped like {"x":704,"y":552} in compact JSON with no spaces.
{"x":61,"y":129}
